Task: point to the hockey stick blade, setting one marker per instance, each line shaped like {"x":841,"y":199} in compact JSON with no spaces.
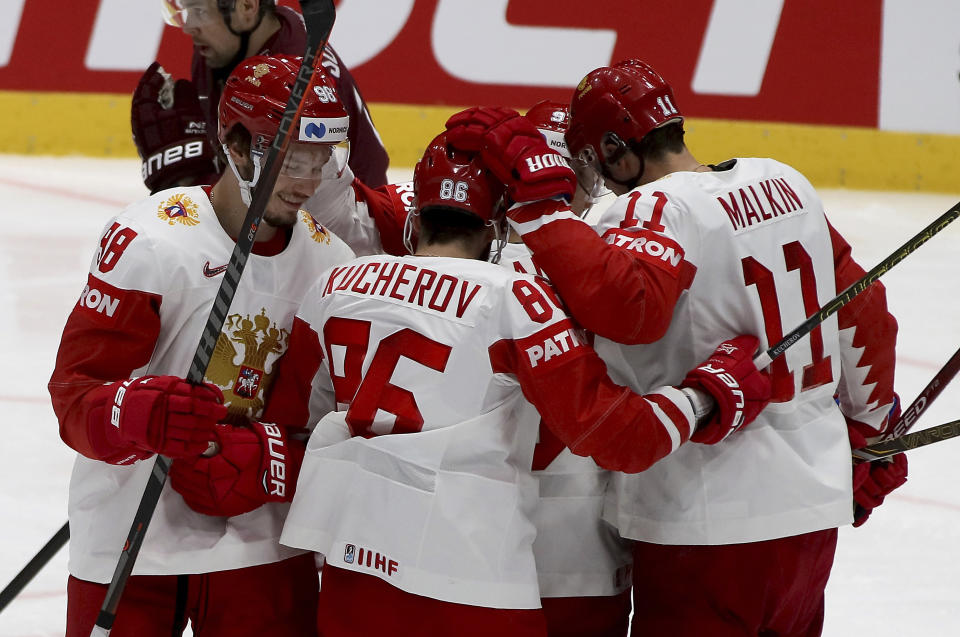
{"x":763,"y":359}
{"x":318,"y":17}
{"x":921,"y":438}
{"x":39,"y":560}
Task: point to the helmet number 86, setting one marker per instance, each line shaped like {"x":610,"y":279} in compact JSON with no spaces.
{"x":456,"y":190}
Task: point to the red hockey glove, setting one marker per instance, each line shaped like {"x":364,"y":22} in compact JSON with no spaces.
{"x":170,"y":132}
{"x":255,"y":465}
{"x":516,"y":152}
{"x":465,"y":130}
{"x":873,"y":481}
{"x":162,"y":414}
{"x":739,"y":389}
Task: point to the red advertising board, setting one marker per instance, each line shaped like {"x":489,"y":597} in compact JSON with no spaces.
{"x":818,"y":60}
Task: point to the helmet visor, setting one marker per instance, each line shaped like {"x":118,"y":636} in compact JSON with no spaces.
{"x":306,"y":161}
{"x":180,"y":13}
{"x":586,"y":166}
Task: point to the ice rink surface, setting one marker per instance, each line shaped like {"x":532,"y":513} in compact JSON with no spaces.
{"x":899,"y":575}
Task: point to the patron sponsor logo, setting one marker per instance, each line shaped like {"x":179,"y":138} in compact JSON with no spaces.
{"x":98,"y":301}
{"x":648,"y":244}
{"x":553,"y":346}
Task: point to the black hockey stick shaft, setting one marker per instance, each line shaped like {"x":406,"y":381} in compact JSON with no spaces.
{"x":765,"y":358}
{"x":33,"y":567}
{"x":318,"y":17}
{"x":921,"y":438}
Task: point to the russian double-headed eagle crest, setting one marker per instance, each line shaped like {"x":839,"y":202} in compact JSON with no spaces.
{"x":179,"y":209}
{"x":258,"y":71}
{"x":243,"y":361}
{"x":317,"y":232}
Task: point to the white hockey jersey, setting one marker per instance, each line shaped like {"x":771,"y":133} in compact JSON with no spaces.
{"x":149,"y":292}
{"x":578,"y":554}
{"x":430,"y":485}
{"x":697,"y":258}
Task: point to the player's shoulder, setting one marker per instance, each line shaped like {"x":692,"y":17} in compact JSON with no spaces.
{"x":175,"y":216}
{"x":318,"y":242}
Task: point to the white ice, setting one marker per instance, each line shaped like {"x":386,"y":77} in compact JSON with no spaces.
{"x":896,"y":576}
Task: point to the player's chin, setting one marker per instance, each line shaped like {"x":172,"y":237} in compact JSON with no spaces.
{"x":283,"y":211}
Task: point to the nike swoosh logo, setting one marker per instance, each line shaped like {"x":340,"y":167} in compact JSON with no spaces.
{"x":212,"y":272}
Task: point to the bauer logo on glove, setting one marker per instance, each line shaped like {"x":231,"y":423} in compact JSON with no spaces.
{"x":170,"y":132}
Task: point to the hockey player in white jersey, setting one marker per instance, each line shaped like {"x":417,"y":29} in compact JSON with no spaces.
{"x":738,"y":537}
{"x":119,"y":393}
{"x":583,"y":565}
{"x":418,"y":488}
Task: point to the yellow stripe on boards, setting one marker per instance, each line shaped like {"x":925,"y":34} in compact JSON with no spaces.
{"x":98,"y":125}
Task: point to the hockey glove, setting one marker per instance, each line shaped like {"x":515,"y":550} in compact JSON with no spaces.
{"x":170,"y":132}
{"x":873,"y":481}
{"x":466,"y":129}
{"x":255,"y":465}
{"x":516,"y":152}
{"x":739,"y":389}
{"x":159,"y":414}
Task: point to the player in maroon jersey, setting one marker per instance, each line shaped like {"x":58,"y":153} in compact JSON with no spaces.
{"x":175,"y":123}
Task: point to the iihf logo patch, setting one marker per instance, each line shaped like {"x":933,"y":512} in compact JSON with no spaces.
{"x":349,"y":553}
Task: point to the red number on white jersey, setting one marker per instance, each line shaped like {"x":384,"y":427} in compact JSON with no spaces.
{"x":112,"y":244}
{"x":653,"y":223}
{"x":820,"y":370}
{"x":371,"y":392}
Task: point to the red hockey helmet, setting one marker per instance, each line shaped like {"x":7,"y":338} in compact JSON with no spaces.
{"x":446,"y":176}
{"x":617,"y":105}
{"x":553,"y":120}
{"x":256,"y":94}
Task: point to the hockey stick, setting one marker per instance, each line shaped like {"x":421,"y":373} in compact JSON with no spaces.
{"x":33,"y":567}
{"x":907,"y":442}
{"x":926,"y":397}
{"x":765,"y":358}
{"x":318,"y":16}
{"x":898,"y":440}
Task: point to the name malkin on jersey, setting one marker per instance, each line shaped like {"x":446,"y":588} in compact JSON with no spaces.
{"x":746,"y":208}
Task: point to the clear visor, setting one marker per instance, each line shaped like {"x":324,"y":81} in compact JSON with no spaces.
{"x":315,"y":161}
{"x":586,"y":166}
{"x":180,"y":13}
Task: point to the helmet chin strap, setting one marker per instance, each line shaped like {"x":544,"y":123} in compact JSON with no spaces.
{"x":408,"y":231}
{"x":246,"y":187}
{"x":500,"y":236}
